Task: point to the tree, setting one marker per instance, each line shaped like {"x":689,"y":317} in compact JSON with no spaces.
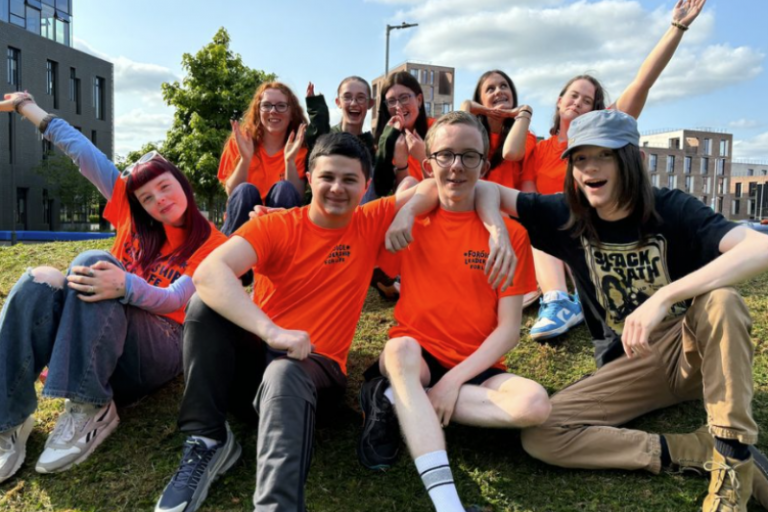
{"x":76,"y":194}
{"x":217,"y":88}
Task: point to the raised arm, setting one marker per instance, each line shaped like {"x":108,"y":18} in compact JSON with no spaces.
{"x":633,"y":99}
{"x":93,"y":164}
{"x":319,"y":118}
{"x":514,"y":145}
{"x":218,"y":285}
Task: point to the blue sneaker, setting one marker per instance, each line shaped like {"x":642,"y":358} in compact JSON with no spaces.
{"x":198,"y":469}
{"x":557,"y":314}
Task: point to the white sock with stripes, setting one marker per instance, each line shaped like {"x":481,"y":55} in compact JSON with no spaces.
{"x":437,"y":477}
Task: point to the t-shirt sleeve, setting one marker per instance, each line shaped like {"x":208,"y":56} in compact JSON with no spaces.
{"x":376,"y":217}
{"x":265,"y":234}
{"x":229,"y":159}
{"x":544,"y":216}
{"x":117,"y":208}
{"x":215,"y":239}
{"x":525,"y":275}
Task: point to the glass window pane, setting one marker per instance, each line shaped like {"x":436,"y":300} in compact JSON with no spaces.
{"x":17,"y":8}
{"x":61,"y":29}
{"x":4,"y":10}
{"x":63,"y":5}
{"x":46,"y":22}
{"x":33,"y":20}
{"x":17,"y":20}
{"x":35,"y":3}
{"x":52,"y":3}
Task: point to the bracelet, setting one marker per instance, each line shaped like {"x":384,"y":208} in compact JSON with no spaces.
{"x":44,"y":123}
{"x":526,"y":110}
{"x":401,"y":169}
{"x":679,"y":25}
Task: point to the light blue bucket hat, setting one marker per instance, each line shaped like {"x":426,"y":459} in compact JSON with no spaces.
{"x":605,"y":128}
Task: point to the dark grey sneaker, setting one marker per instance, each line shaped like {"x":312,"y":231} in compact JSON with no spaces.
{"x":198,"y":469}
{"x":380,"y":440}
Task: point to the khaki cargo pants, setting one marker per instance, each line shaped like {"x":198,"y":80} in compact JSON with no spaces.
{"x":705,"y":354}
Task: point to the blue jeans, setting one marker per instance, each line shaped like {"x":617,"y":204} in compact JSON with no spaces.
{"x":95,"y":352}
{"x":246,"y":196}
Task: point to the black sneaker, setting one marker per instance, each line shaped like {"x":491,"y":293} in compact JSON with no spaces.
{"x":198,"y":469}
{"x":380,"y":441}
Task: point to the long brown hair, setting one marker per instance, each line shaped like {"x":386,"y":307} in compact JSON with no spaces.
{"x":496,"y":158}
{"x":634,"y":193}
{"x":252,"y":120}
{"x":599,"y":103}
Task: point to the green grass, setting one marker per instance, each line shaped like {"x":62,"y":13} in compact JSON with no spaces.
{"x":130,"y":470}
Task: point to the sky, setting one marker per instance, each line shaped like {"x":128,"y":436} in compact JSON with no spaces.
{"x":717,"y":79}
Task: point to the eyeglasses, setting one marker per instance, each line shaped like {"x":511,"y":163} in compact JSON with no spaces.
{"x":279,"y":107}
{"x":403,"y":99}
{"x":446,"y":158}
{"x":357,"y":99}
{"x":147,"y":157}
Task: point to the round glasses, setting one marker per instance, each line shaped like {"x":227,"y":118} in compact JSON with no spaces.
{"x":360,"y":100}
{"x":446,"y":158}
{"x":278,"y":107}
{"x":403,"y":99}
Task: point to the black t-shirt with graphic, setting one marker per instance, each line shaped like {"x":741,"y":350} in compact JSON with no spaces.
{"x":616,"y":278}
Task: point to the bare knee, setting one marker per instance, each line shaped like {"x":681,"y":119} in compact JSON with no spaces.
{"x":528,"y":403}
{"x":48,"y":275}
{"x":403,"y":353}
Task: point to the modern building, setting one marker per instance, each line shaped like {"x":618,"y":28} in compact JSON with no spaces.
{"x":36,"y":38}
{"x":696,"y":161}
{"x":749,"y":188}
{"x":437,"y":84}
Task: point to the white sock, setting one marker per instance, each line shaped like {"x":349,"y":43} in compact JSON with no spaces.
{"x":390,"y":394}
{"x":210,"y":443}
{"x":437,"y":477}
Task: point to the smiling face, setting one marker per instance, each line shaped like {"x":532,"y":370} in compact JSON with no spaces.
{"x":337,"y":184}
{"x":456,"y":182}
{"x":409,"y":109}
{"x":354,"y":102}
{"x":596,"y":173}
{"x":163,"y":199}
{"x":273,"y":121}
{"x":495,"y":92}
{"x":578,"y":99}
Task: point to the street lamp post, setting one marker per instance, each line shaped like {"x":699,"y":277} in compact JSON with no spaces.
{"x":390,"y":28}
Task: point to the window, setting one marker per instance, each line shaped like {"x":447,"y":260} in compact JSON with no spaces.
{"x":46,"y":22}
{"x":14,"y":78}
{"x":750,"y":207}
{"x":653,"y":162}
{"x":21,"y":208}
{"x":722,"y":186}
{"x":446,"y":108}
{"x":10,"y":139}
{"x":62,"y":31}
{"x":446,"y":83}
{"x":737,"y":193}
{"x":689,"y":183}
{"x":18,"y":11}
{"x":63,"y":5}
{"x":47,"y":149}
{"x":750,"y":172}
{"x":752,"y":189}
{"x":432,"y":76}
{"x":33,"y":19}
{"x":655,"y":180}
{"x":724,"y":147}
{"x":4,"y":11}
{"x":735,"y":207}
{"x":704,"y":199}
{"x":415,"y":73}
{"x":687,"y":165}
{"x":707,"y":147}
{"x":670,"y":163}
{"x":428,"y":108}
{"x":51,"y":85}
{"x":707,"y":185}
{"x":674,"y":143}
{"x":72,"y":83}
{"x":720,"y":166}
{"x":719,"y":205}
{"x":98,"y":97}
{"x":47,"y":208}
{"x":672,"y":181}
{"x":94,"y":138}
{"x":704,"y":165}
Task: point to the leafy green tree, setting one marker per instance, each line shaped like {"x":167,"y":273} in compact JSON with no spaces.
{"x":217,"y":88}
{"x":76,"y":194}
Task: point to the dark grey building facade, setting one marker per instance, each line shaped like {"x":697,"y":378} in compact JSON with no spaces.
{"x":35,"y":40}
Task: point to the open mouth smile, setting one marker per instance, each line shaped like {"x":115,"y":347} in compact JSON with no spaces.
{"x":595,"y":184}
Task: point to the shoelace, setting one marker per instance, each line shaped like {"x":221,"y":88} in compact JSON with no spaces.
{"x":386,"y":417}
{"x":194,"y":460}
{"x":69,"y":423}
{"x":712,"y":466}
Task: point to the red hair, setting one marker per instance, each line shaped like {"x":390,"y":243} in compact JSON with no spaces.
{"x":252,"y":120}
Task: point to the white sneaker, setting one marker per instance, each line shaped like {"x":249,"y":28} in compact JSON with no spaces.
{"x":80,"y":429}
{"x":13,"y":448}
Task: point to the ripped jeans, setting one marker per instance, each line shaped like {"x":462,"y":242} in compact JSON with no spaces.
{"x":95,"y":352}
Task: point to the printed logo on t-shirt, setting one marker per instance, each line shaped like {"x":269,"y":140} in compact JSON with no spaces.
{"x":625,"y":275}
{"x":159,"y":273}
{"x":475,"y":260}
{"x":339,"y":254}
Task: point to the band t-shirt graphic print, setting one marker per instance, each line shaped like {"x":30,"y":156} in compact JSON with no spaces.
{"x":617,"y":275}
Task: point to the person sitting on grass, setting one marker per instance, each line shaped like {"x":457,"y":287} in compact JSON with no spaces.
{"x":655,"y":269}
{"x":110,"y":329}
{"x":273,"y":360}
{"x":453,"y":327}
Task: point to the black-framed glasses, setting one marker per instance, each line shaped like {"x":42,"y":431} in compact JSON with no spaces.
{"x":145,"y":158}
{"x":403,"y":99}
{"x":280,"y":107}
{"x":469,"y":159}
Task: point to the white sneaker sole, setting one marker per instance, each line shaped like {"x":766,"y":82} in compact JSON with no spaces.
{"x":105,"y":433}
{"x":572,"y":322}
{"x":26,"y":430}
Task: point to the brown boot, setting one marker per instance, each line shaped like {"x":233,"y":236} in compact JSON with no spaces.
{"x":731,"y":485}
{"x":689,"y":452}
{"x":760,"y":480}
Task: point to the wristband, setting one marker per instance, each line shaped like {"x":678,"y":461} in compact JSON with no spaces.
{"x":401,"y":169}
{"x":679,"y":25}
{"x":44,"y":123}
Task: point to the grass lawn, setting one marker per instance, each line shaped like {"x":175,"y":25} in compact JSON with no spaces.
{"x":130,"y":470}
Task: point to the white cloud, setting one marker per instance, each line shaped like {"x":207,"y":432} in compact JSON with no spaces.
{"x":543,"y":44}
{"x":754,"y":148}
{"x":138,"y":127}
{"x":745,"y":124}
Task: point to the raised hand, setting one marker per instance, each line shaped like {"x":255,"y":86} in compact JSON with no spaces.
{"x":310,"y":90}
{"x":294,"y":143}
{"x":397,"y":121}
{"x":244,"y":141}
{"x":400,"y":158}
{"x":686,"y":11}
{"x":416,"y":147}
{"x":101,"y":281}
{"x":13,"y":99}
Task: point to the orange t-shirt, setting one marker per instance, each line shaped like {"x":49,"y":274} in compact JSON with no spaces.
{"x":414,"y":166}
{"x":547,"y":166}
{"x":446,"y":303}
{"x":264,"y":170}
{"x":313,"y":279}
{"x":126,"y":246}
{"x":511,"y":174}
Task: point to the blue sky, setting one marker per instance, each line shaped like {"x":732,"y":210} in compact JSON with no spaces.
{"x":717,"y":79}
